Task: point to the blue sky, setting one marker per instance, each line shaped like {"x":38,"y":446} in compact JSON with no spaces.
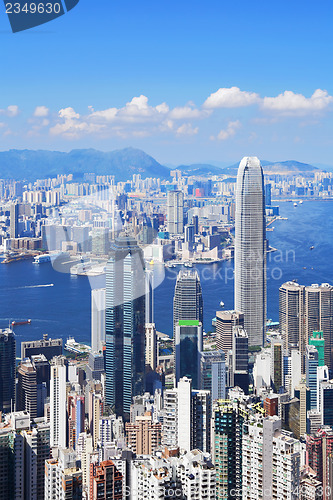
{"x":185,"y":81}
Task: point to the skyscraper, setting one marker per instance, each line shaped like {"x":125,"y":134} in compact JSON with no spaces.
{"x":227,"y":428}
{"x":97,"y":319}
{"x":213,"y":373}
{"x":304,"y":310}
{"x":319,"y":316}
{"x":225,"y":323}
{"x":7,"y":370}
{"x":125,"y":324}
{"x":151,"y":350}
{"x":175,"y":212}
{"x":63,"y":478}
{"x":14,"y":216}
{"x":240,"y":359}
{"x":58,"y":403}
{"x":277,"y":374}
{"x":187,"y":302}
{"x":318,"y":341}
{"x":291,"y":305}
{"x":186,"y":417}
{"x":318,"y":448}
{"x":188,"y":348}
{"x":105,"y":481}
{"x":149,"y":275}
{"x":250,"y":249}
{"x":271,"y":461}
{"x":27,"y":388}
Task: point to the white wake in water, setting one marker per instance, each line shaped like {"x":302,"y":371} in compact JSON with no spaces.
{"x":32,"y":286}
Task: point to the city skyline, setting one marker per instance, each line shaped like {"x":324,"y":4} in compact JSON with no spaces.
{"x":166,"y":320}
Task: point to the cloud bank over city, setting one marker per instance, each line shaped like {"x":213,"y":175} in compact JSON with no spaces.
{"x":140,"y":118}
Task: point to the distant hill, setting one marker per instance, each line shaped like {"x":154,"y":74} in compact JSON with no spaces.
{"x":123,"y":163}
{"x":200,"y":169}
{"x":289,"y":167}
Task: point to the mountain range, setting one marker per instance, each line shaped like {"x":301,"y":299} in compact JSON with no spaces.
{"x":123,"y":163}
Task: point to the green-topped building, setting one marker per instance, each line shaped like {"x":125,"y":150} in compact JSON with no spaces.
{"x":318,"y":341}
{"x":188,"y":348}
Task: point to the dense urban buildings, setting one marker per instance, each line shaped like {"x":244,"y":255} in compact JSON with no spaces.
{"x":235,"y":406}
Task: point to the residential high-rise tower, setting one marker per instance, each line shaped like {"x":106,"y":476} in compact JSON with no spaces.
{"x":175,"y":212}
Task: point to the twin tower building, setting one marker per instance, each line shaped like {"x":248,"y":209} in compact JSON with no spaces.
{"x":126,"y":291}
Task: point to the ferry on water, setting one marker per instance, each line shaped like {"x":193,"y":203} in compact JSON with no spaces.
{"x":75,"y":347}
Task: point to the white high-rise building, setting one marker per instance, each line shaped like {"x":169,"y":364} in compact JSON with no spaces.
{"x":270,"y":461}
{"x":58,"y":403}
{"x":186,"y":417}
{"x":192,"y":476}
{"x":24,"y":447}
{"x":63,"y":479}
{"x":175,"y":212}
{"x":97,"y":319}
{"x":322,"y":376}
{"x":151,"y":348}
{"x":250,"y":249}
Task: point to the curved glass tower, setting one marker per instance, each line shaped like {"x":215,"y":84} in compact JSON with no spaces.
{"x":250,"y":249}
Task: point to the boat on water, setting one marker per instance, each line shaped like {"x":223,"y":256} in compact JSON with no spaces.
{"x":295,"y":204}
{"x":75,"y":347}
{"x":300,"y":202}
{"x":42,"y":259}
{"x":312,"y":247}
{"x":18,"y":323}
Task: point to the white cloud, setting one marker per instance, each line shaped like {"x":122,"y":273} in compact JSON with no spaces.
{"x":231,"y":97}
{"x":10,"y":111}
{"x":290,"y":103}
{"x":106,"y":114}
{"x":136,"y":111}
{"x":230,"y":131}
{"x":187,"y":129}
{"x":138,"y":118}
{"x":41,"y":111}
{"x":71,"y":126}
{"x":68,"y":114}
{"x":187,"y":113}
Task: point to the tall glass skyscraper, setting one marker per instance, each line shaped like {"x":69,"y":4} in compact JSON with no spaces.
{"x":125,"y":324}
{"x":187,"y":305}
{"x":250,"y":249}
{"x":187,"y":302}
{"x":7,"y":370}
